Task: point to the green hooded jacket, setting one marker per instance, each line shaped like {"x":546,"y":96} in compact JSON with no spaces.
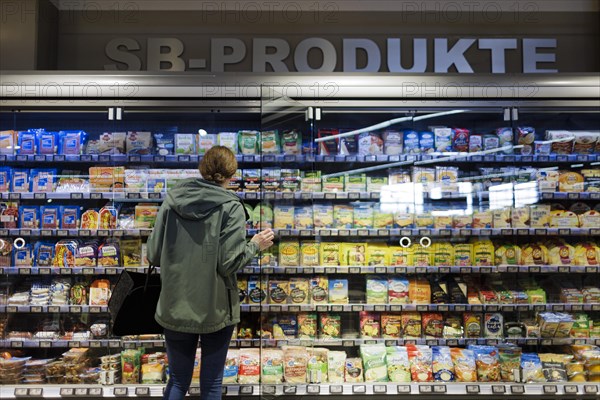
{"x":199,"y":243}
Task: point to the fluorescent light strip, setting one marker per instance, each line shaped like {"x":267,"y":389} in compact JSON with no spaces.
{"x":386,"y":124}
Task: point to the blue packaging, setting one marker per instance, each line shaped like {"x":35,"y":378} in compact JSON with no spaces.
{"x":43,"y":253}
{"x":69,"y":217}
{"x":27,"y":143}
{"x":411,"y":142}
{"x":286,"y":324}
{"x":164,"y":144}
{"x":426,"y":142}
{"x":22,"y":256}
{"x":43,"y":179}
{"x":71,"y":142}
{"x":29,"y":217}
{"x":47,"y":142}
{"x":20,"y":180}
{"x":5,"y":179}
{"x":50,"y":217}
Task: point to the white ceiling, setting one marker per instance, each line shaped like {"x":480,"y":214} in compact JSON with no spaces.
{"x":526,"y":6}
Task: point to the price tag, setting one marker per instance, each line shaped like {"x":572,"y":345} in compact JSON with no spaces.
{"x":81,"y":391}
{"x":379,"y":308}
{"x":354,"y":270}
{"x":492,"y":308}
{"x":120,"y":391}
{"x":485,"y":232}
{"x":24,"y":271}
{"x":85,"y":232}
{"x":187,"y":158}
{"x":45,"y":344}
{"x":403,"y":389}
{"x":114,"y":344}
{"x":288,"y":390}
{"x":154,"y":196}
{"x":96,"y":196}
{"x":476,"y":308}
{"x":142,"y":391}
{"x":425,"y":389}
{"x":522,"y":308}
{"x":496,"y":389}
{"x":313,"y":389}
{"x":421,"y":270}
{"x":432,"y":342}
{"x":558,"y":307}
{"x":460,"y":308}
{"x":25,"y":232}
{"x":590,"y":389}
{"x":590,"y":270}
{"x":439,"y":389}
{"x":444,"y":270}
{"x":53,"y":309}
{"x":506,"y":232}
{"x":75,"y":309}
{"x":571,"y":389}
{"x":247,"y":389}
{"x":76,"y":196}
{"x":269,"y":196}
{"x":64,"y":392}
{"x":539,"y":307}
{"x":95,"y":343}
{"x":17,"y":344}
{"x":358,"y":308}
{"x":359,"y":389}
{"x":336,"y":389}
{"x":267,"y":389}
{"x":134,"y":196}
{"x":35,"y":309}
{"x":550,"y":389}
{"x":21,"y":392}
{"x":465,"y":270}
{"x":508,"y":308}
{"x":472,"y":388}
{"x":11,"y":309}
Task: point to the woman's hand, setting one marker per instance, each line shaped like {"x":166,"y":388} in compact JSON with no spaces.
{"x":264,"y":239}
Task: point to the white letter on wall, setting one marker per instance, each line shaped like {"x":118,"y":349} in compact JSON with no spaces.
{"x":394,"y":50}
{"x":218,"y":58}
{"x":373,"y":55}
{"x":260,"y":58}
{"x":303,"y":48}
{"x":444,"y":58}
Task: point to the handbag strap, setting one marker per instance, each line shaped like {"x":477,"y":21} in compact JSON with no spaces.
{"x":151,"y":269}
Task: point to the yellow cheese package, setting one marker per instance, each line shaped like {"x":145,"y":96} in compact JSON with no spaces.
{"x":319,"y":289}
{"x":463,"y":254}
{"x":323,"y":216}
{"x":404,"y":220}
{"x":257,"y":289}
{"x":508,"y":254}
{"x":338,"y":291}
{"x":442,"y":222}
{"x":421,"y":255}
{"x":299,"y":290}
{"x":131,"y":255}
{"x":145,"y":215}
{"x":590,"y":219}
{"x":309,"y":254}
{"x":363,"y":215}
{"x":107,"y":179}
{"x":563,"y":219}
{"x":520,"y":217}
{"x":377,"y":254}
{"x":262,"y":216}
{"x":483,"y":253}
{"x":343,"y":215}
{"x":587,"y":254}
{"x":443,"y":254}
{"x":501,"y":218}
{"x":419,"y":291}
{"x":424,"y":220}
{"x":547,"y":180}
{"x":561,"y":254}
{"x":353,"y":254}
{"x":570,"y":182}
{"x":242,"y":284}
{"x":400,"y":256}
{"x":289,"y":253}
{"x":462,"y":221}
{"x":382,"y":219}
{"x":482,"y":220}
{"x":424,"y":176}
{"x":333,"y":184}
{"x":283,"y":216}
{"x":278,"y":291}
{"x":534,"y":254}
{"x":330,"y":254}
{"x":539,"y":215}
{"x":303,"y":217}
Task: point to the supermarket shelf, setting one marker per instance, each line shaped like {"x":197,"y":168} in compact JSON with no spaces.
{"x":63,"y":309}
{"x":183,"y":160}
{"x":559,"y":307}
{"x":60,"y":343}
{"x":265,"y":195}
{"x":523,"y":269}
{"x":426,"y":390}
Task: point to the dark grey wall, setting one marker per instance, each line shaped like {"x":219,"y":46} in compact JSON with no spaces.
{"x":18,"y":34}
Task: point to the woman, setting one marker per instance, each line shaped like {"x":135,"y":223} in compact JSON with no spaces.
{"x":199,"y":242}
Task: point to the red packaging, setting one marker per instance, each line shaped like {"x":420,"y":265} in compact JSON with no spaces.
{"x":369,"y":325}
{"x":460,"y":139}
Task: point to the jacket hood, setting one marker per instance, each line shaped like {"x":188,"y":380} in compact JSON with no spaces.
{"x":195,"y":198}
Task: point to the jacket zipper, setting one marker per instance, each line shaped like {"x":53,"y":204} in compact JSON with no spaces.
{"x":230,"y":306}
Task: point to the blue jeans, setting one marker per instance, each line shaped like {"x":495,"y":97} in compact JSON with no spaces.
{"x":181,"y":351}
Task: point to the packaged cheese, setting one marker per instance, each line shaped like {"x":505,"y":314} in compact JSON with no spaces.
{"x":539,"y":215}
{"x":330,"y":254}
{"x":377,"y":289}
{"x":377,"y":254}
{"x":391,"y":326}
{"x":333,"y":184}
{"x":206,"y":142}
{"x":482,"y":220}
{"x":289,"y":253}
{"x":353,"y":254}
{"x":382,"y":219}
{"x":563,"y":219}
{"x":309,"y":254}
{"x":501,"y":217}
{"x":462,"y":221}
{"x":421,"y":255}
{"x":570,"y":182}
{"x":587,"y":254}
{"x":590,"y":219}
{"x":443,"y":254}
{"x":299,"y":291}
{"x":283,"y":216}
{"x":398,"y":290}
{"x":404,"y":220}
{"x":363,"y":215}
{"x":303,"y":217}
{"x":534,"y":254}
{"x":355,"y":183}
{"x":424,"y":220}
{"x":185,"y":143}
{"x":323,"y":215}
{"x":520,"y":217}
{"x":338,"y":291}
{"x":463,"y":254}
{"x":419,"y":291}
{"x":279,"y":290}
{"x":401,"y":256}
{"x":561,"y":254}
{"x":343,"y":215}
{"x":319,"y":289}
{"x":229,"y":140}
{"x":483,"y":253}
{"x":443,"y":139}
{"x":442,"y":222}
{"x":508,"y":254}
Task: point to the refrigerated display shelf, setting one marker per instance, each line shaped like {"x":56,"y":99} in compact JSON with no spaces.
{"x":299,"y":270}
{"x":425,"y":390}
{"x":297,"y":195}
{"x":184,"y":160}
{"x":25,"y":232}
{"x":558,"y":307}
{"x":62,"y":309}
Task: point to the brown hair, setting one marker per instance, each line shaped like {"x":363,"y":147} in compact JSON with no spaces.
{"x":218,"y":164}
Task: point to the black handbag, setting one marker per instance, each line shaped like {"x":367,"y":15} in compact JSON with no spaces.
{"x":133,"y":303}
